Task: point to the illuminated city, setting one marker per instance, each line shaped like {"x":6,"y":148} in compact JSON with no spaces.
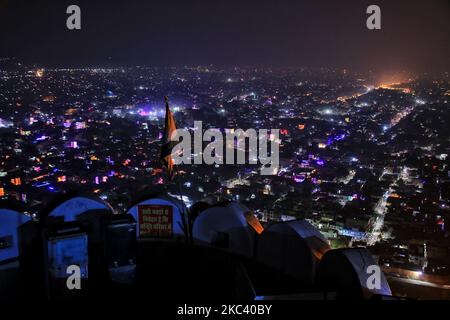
{"x":364,"y":155}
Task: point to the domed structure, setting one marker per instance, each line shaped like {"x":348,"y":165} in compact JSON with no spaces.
{"x":69,"y":207}
{"x":154,"y":201}
{"x":225,"y":225}
{"x":293,"y":248}
{"x":347,"y":272}
{"x":10,"y":221}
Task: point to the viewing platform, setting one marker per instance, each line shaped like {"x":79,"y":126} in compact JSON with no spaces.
{"x":160,"y":249}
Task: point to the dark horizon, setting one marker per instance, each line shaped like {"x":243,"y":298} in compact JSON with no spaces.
{"x":286,"y":34}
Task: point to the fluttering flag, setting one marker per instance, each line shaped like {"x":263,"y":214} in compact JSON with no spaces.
{"x":167,"y":144}
{"x":254,"y":222}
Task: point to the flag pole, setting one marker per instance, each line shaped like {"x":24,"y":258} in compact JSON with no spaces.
{"x":166,"y":157}
{"x":186,"y":224}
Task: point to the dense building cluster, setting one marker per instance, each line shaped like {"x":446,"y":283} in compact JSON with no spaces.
{"x":365,"y":163}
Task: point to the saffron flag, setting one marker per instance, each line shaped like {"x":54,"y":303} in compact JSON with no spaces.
{"x":254,"y":222}
{"x":167,"y":143}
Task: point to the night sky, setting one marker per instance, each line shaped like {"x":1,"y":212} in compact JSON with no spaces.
{"x":278,"y":33}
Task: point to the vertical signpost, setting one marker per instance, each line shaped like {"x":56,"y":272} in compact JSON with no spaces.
{"x":155,"y":221}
